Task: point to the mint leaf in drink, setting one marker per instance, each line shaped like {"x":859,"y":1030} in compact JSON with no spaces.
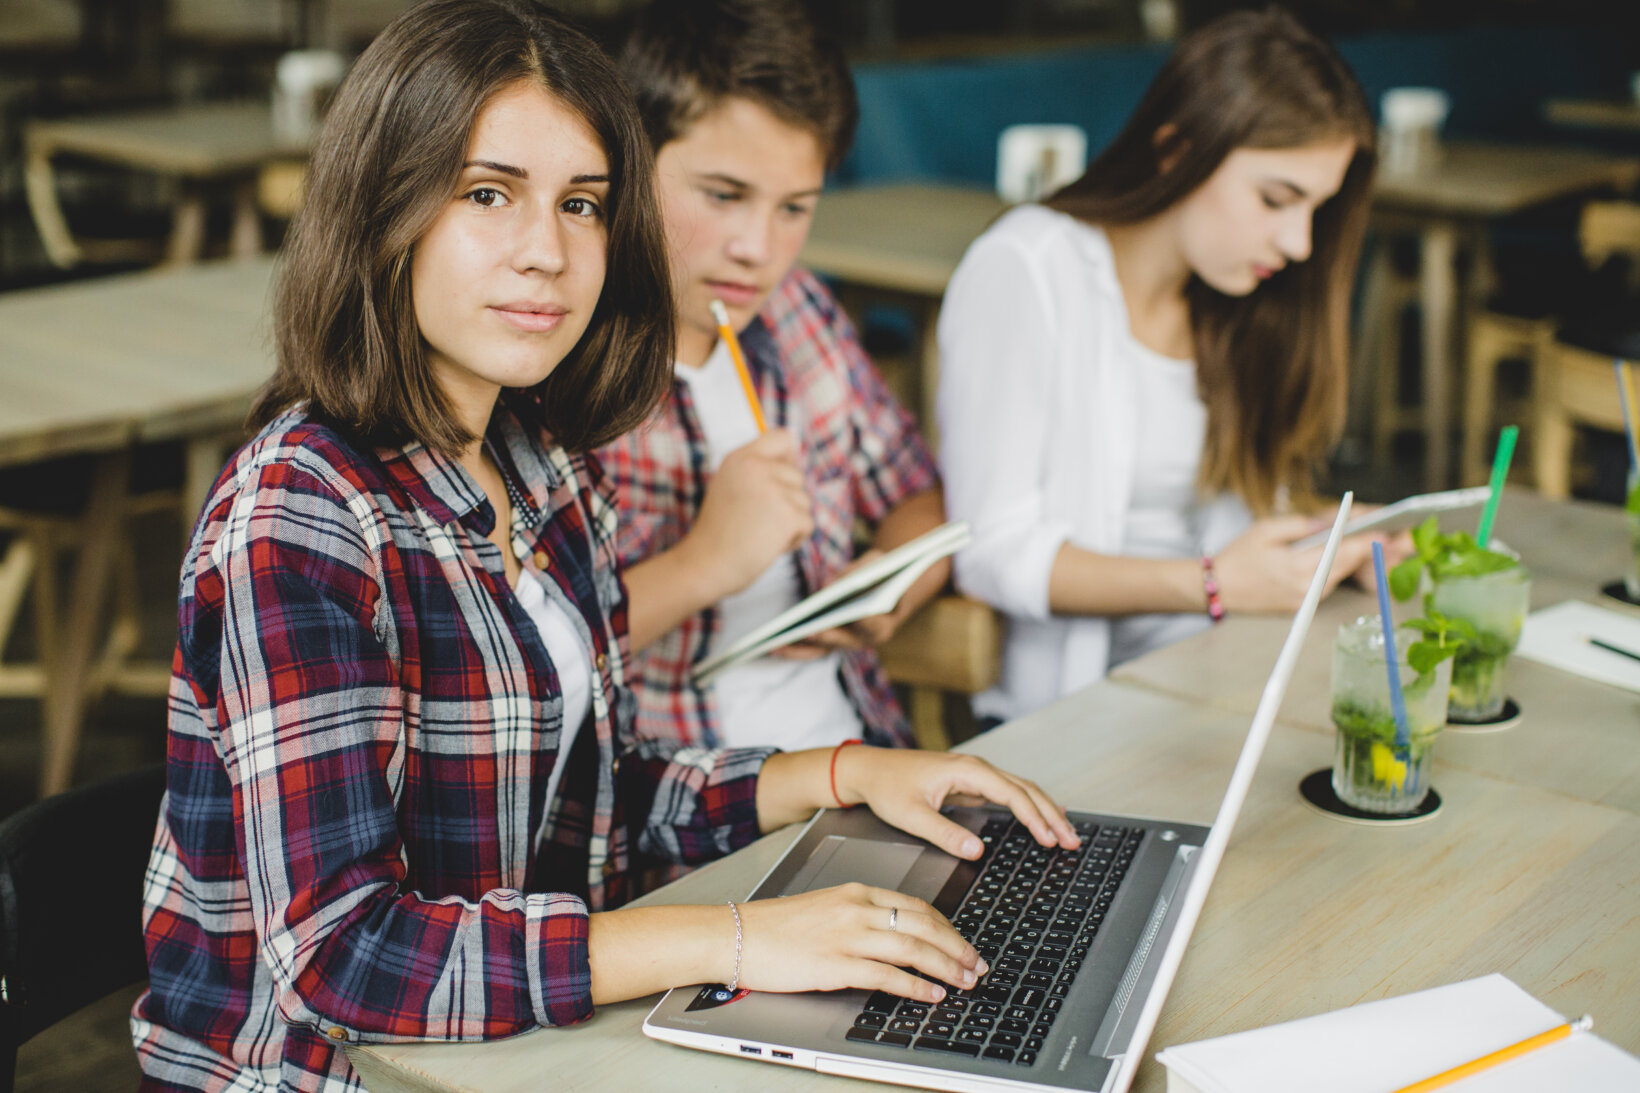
{"x":1453,"y":554}
{"x":1403,"y":578}
{"x":1443,"y":637}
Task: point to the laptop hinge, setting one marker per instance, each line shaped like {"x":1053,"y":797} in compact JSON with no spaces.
{"x":1115,"y":1028}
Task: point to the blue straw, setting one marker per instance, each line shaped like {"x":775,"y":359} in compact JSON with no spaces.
{"x":1397,"y":701}
{"x":1628,"y":412}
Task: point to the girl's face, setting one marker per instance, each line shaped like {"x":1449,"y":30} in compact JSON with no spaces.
{"x":506,"y":280}
{"x":1252,"y":216}
{"x":737,"y":191}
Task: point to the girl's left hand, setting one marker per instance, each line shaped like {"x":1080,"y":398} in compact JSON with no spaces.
{"x":907,"y":788}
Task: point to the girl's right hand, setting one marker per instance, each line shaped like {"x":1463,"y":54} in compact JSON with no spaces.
{"x":836,"y":938}
{"x":1260,"y":572}
{"x":755,"y":510}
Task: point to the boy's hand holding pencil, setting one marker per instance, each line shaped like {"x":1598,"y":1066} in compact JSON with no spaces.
{"x":756,"y":508}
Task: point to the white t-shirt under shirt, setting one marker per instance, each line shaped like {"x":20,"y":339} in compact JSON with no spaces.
{"x":570,"y":657}
{"x":790,"y":704}
{"x":1171,"y":427}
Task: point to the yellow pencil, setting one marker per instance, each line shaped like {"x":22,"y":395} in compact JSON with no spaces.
{"x":1447,"y":1077}
{"x":727,"y":333}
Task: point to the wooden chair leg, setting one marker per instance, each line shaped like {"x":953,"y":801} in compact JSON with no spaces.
{"x":928,"y":719}
{"x":1552,"y":450}
{"x":1487,"y":343}
{"x":69,"y":665}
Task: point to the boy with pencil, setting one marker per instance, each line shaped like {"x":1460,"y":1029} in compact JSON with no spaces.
{"x":741,"y":495}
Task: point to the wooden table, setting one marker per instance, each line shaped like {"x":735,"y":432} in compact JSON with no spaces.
{"x":1527,"y":870}
{"x":98,"y":366}
{"x":195,"y":145}
{"x":904,"y":240}
{"x":1621,"y":114}
{"x":1446,"y":205}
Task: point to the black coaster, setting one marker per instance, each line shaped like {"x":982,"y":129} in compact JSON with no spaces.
{"x":1619,"y":591}
{"x":1507,"y":718}
{"x":1317,"y":791}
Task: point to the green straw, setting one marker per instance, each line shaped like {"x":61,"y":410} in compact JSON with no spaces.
{"x":1500,"y":471}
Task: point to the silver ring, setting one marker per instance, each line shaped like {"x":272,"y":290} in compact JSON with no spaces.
{"x":894,"y":918}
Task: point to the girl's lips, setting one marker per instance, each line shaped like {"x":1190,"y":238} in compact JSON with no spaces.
{"x":535,"y":322}
{"x":734,"y":294}
{"x":1263,"y":273}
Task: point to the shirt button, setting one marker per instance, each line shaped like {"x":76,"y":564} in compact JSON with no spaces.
{"x":336,"y":1033}
{"x":543,"y":560}
{"x":603,"y":662}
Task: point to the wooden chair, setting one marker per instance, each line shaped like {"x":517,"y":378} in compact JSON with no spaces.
{"x":1607,"y":229}
{"x":952,"y":644}
{"x":1577,"y":385}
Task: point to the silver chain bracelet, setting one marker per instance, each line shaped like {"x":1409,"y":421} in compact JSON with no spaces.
{"x":734,"y":984}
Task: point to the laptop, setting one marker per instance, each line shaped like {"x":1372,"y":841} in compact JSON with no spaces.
{"x":1083,"y":945}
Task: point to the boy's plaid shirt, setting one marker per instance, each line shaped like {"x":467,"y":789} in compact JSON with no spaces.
{"x":862,"y":456}
{"x":355,"y":843}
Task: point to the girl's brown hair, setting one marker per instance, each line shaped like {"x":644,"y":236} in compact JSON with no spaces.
{"x":386,"y":164}
{"x":1271,"y":365}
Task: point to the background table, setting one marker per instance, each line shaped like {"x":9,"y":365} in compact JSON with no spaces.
{"x":1534,"y":876}
{"x":905,"y":241}
{"x":193,"y":144}
{"x":1446,"y":205}
{"x":98,"y":366}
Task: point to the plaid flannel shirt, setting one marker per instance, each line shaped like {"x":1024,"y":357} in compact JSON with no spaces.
{"x":355,"y":844}
{"x":862,"y":456}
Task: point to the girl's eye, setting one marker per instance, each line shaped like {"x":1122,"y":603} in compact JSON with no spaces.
{"x":722,"y":197}
{"x":1273,"y":202}
{"x":487,"y":197}
{"x":580,"y":206}
{"x":797,"y":210}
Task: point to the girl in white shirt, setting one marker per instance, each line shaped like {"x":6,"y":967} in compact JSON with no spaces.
{"x":1140,"y":378}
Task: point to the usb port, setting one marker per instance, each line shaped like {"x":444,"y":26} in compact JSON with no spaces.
{"x":748,"y":1049}
{"x":781,"y":1054}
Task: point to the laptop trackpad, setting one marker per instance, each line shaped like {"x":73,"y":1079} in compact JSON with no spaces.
{"x":839,"y":860}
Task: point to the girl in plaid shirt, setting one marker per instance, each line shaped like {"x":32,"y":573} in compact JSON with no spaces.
{"x":404,"y":798}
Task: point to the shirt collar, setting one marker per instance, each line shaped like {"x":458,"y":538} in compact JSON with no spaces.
{"x":443,"y":487}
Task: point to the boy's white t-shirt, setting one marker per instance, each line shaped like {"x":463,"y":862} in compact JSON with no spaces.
{"x":790,"y":704}
{"x":1163,"y":509}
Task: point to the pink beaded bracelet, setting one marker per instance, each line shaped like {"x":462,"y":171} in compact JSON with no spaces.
{"x":1210,"y":585}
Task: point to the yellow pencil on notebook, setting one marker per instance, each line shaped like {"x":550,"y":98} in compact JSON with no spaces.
{"x":1502,"y":1055}
{"x":727,"y":333}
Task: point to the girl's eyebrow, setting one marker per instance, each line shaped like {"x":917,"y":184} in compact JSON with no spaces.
{"x":1298,"y":191}
{"x":504,"y":168}
{"x":521,"y":173}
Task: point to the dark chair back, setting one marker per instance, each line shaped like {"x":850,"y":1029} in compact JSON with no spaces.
{"x":71,"y":873}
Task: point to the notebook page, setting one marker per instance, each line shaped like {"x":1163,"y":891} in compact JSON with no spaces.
{"x":1369,"y":1048}
{"x":1559,"y":637}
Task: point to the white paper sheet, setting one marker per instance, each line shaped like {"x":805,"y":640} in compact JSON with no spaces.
{"x":1559,"y":637}
{"x":1392,"y":1043}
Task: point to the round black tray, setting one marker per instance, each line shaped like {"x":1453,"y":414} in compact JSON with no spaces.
{"x":1317,"y":791}
{"x":1507,"y":718}
{"x":1619,"y":591}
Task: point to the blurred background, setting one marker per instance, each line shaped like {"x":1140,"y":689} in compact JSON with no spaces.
{"x":148,"y":135}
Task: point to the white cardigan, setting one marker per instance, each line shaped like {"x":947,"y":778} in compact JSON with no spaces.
{"x":1038,"y":439}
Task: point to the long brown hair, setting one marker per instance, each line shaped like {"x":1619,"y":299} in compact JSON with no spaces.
{"x":1270,"y":365}
{"x":387,"y":162}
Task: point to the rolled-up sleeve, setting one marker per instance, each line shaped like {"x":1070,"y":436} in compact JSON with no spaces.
{"x":702,"y":802}
{"x":995,"y":408}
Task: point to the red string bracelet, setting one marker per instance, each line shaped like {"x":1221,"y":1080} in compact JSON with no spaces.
{"x":1210,"y":586}
{"x":834,"y":753}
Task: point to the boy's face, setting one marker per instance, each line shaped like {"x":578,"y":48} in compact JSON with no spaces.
{"x":738,"y":191}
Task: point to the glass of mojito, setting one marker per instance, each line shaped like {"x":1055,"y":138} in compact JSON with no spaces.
{"x":1495,"y":604}
{"x":1369,"y":772}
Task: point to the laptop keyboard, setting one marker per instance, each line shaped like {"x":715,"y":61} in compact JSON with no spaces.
{"x":1032,"y":913}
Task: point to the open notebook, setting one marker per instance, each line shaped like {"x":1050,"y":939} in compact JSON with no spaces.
{"x":872,"y":589}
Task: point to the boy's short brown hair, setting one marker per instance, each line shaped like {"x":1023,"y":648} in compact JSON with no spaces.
{"x":686,"y":56}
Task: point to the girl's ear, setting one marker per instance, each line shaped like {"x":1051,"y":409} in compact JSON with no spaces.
{"x":1168,"y":147}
